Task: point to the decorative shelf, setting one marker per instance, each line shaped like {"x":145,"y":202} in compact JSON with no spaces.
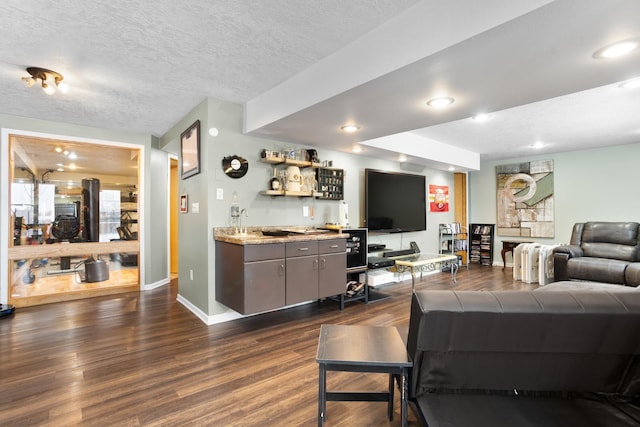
{"x":277,"y":193}
{"x":290,"y":162}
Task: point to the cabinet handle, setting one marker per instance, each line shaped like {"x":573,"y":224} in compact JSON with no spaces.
{"x":281,"y":270}
{"x":303,"y":249}
{"x":315,"y":264}
{"x":334,"y":246}
{"x":324,"y":263}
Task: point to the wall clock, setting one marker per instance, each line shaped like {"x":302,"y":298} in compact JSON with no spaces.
{"x":235,"y":166}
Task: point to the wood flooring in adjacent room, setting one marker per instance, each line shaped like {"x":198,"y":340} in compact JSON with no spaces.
{"x":143,"y":359}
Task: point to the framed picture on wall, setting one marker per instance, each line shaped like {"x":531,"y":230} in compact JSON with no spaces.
{"x":190,"y":150}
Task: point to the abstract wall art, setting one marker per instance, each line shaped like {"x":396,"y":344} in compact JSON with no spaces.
{"x":525,"y":199}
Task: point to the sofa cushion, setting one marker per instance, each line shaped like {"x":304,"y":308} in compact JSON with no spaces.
{"x":477,"y":410}
{"x":597,"y":269}
{"x":632,"y":274}
{"x":583,"y":285}
{"x":615,"y":240}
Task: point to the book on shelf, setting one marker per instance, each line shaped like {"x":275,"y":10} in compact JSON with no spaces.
{"x":482,"y":229}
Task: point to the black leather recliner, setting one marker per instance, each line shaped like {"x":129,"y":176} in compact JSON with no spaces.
{"x":606,"y":252}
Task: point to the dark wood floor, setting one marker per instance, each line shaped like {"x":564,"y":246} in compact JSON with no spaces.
{"x":143,"y":359}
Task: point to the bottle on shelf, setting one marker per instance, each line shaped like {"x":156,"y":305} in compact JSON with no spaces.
{"x":274,"y":182}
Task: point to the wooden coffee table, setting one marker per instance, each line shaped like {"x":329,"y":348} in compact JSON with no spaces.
{"x":355,"y":348}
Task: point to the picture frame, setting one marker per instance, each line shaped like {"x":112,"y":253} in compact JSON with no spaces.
{"x":190,"y":151}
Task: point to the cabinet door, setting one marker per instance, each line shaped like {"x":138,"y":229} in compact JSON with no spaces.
{"x":302,"y":279}
{"x":332,"y":277}
{"x":264,"y":285}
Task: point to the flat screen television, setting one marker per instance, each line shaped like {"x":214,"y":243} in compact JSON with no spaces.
{"x":395,"y":202}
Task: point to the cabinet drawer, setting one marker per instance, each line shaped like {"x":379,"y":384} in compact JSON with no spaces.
{"x":331,"y":246}
{"x":308,"y":247}
{"x":263,"y":252}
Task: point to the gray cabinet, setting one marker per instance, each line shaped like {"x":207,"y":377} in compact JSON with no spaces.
{"x":332,"y":264}
{"x":302,"y":271}
{"x":259,"y":277}
{"x":250,"y":278}
{"x":315,"y":269}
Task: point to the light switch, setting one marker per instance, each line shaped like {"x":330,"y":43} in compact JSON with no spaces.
{"x":219,"y":193}
{"x":195,"y":207}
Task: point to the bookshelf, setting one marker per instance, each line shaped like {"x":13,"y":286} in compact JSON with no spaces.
{"x":453,"y":240}
{"x":481,"y":243}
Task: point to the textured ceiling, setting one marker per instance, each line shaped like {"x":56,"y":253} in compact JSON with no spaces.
{"x":142,"y":66}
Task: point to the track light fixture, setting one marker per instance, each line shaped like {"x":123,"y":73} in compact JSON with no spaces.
{"x":50,"y":81}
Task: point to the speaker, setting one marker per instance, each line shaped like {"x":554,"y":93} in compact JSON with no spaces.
{"x":91,"y":210}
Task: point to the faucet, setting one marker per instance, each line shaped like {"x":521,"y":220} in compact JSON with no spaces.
{"x":245,"y":213}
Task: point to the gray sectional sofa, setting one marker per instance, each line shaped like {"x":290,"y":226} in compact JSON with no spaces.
{"x":524,"y":358}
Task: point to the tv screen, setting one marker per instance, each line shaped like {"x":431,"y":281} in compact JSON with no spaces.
{"x":395,"y":202}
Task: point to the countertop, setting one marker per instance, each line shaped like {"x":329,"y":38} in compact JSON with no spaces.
{"x":254,"y":235}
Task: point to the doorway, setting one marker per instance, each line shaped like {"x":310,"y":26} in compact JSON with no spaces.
{"x":173,"y":217}
{"x":73,"y":214}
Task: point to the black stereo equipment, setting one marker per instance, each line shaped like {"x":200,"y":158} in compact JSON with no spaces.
{"x":380,"y":262}
{"x":399,"y":252}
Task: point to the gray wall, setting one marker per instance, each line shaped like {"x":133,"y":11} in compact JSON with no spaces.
{"x":193,"y":228}
{"x":589,"y":185}
{"x":157,"y":255}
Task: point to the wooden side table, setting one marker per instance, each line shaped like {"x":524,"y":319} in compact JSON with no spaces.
{"x":509,"y":246}
{"x":355,"y":348}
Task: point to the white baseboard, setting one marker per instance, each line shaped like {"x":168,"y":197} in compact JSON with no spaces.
{"x":157,"y":284}
{"x":227,"y":315}
{"x":206,"y":319}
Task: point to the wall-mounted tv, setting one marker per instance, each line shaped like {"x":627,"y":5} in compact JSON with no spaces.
{"x":395,"y":202}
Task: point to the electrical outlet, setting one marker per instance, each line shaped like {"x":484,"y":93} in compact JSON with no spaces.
{"x":219,"y":193}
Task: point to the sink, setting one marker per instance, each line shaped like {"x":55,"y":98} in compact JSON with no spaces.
{"x":302,"y":230}
{"x":275,"y":233}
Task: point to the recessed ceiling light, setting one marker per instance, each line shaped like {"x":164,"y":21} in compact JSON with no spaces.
{"x":441,"y":102}
{"x":631,"y":84}
{"x":402,"y":158}
{"x":618,"y":49}
{"x":73,"y":156}
{"x":537,"y":145}
{"x":60,"y":169}
{"x":356,"y":149}
{"x":451,"y":169}
{"x":350,"y":128}
{"x":481,"y":117}
{"x":58,"y":150}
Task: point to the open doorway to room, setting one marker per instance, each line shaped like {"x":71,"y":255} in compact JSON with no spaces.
{"x":460,"y":206}
{"x":173,"y":217}
{"x":73,"y":209}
